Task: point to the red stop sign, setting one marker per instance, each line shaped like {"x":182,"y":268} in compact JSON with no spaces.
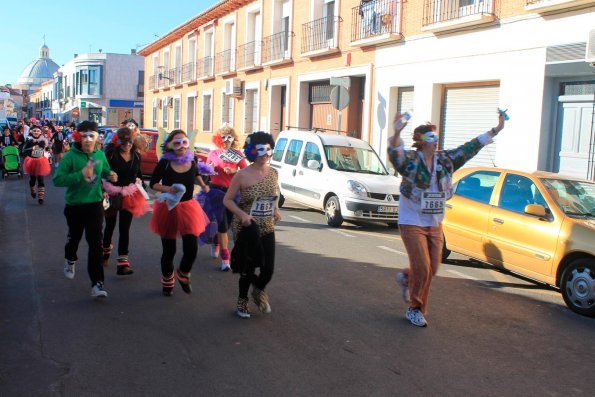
{"x":75,"y":112}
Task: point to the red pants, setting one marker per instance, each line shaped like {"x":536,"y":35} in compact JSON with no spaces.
{"x":424,"y":247}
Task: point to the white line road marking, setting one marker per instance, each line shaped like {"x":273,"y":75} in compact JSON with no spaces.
{"x":299,"y":219}
{"x":341,"y":233}
{"x":382,"y":247}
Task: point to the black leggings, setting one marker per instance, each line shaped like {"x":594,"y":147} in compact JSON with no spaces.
{"x":124,"y":230}
{"x":266,"y":269}
{"x":189,"y":249}
{"x":38,"y":179}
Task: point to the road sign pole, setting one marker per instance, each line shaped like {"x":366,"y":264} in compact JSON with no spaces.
{"x":339,"y":111}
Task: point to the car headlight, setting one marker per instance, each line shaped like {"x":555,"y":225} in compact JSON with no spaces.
{"x":357,"y":188}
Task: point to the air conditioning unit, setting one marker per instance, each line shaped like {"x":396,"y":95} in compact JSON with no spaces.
{"x":590,"y":50}
{"x":233,"y":87}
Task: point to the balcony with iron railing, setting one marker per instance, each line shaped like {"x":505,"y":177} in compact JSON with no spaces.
{"x":275,"y":48}
{"x":554,"y":5}
{"x":204,"y":68}
{"x":376,"y":22}
{"x":189,"y":72}
{"x":319,"y":37}
{"x":443,"y":15}
{"x":225,"y":62}
{"x":175,"y":75}
{"x":249,"y":55}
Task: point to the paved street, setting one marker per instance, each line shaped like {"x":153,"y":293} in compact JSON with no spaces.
{"x":337,"y":326}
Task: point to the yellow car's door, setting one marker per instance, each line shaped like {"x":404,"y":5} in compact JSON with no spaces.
{"x":466,"y":216}
{"x":518,"y":241}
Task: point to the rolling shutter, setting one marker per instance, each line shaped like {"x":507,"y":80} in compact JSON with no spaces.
{"x":468,"y":112}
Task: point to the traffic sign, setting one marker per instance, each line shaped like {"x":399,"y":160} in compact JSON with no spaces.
{"x":341,"y":81}
{"x":339,"y":97}
{"x":83,"y":104}
{"x":75,"y":112}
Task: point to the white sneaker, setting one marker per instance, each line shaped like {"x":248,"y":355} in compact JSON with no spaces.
{"x":69,"y":269}
{"x":224,"y":266}
{"x":416,"y":318}
{"x":97,"y":291}
{"x":403,"y":282}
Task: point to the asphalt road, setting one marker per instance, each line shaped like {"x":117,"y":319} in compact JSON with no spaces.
{"x":337,"y":327}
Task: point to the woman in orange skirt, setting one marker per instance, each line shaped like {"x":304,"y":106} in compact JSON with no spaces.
{"x":36,"y":165}
{"x":175,"y":212}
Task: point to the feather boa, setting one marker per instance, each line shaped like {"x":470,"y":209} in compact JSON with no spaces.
{"x":171,"y":156}
{"x":114,"y":190}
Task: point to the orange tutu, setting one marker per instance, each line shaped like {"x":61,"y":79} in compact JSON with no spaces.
{"x":135,"y":204}
{"x":37,"y":166}
{"x":185,"y":218}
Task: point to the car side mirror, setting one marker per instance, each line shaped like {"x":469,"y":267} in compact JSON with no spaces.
{"x":314,"y":165}
{"x":536,"y":210}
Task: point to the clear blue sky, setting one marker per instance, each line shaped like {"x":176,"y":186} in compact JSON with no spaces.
{"x":75,"y":27}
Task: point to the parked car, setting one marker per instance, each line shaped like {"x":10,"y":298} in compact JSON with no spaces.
{"x":537,"y":224}
{"x":149,"y":158}
{"x":340,"y":175}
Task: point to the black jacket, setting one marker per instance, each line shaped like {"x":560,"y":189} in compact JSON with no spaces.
{"x":247,"y":252}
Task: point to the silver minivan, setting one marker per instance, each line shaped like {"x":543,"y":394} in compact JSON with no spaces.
{"x":340,"y":175}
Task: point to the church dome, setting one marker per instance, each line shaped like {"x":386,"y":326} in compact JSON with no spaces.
{"x":38,"y":71}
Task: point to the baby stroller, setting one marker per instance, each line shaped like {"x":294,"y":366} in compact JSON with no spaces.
{"x":11,"y":162}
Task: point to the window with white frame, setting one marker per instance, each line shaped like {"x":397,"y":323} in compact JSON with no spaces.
{"x":251,"y":111}
{"x":164,"y":111}
{"x":190,"y":111}
{"x":177,"y":113}
{"x":154,"y":123}
{"x":207,"y":105}
{"x":226,"y":109}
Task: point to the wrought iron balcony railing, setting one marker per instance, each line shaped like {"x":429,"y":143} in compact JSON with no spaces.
{"x":320,"y":34}
{"x":225,"y":62}
{"x":204,"y":67}
{"x":249,"y":55}
{"x":275,"y":47}
{"x":189,"y":72}
{"x":175,"y":75}
{"x":438,"y":11}
{"x":376,"y":18}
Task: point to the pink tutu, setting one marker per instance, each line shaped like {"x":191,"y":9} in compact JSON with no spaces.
{"x":37,"y":166}
{"x":135,"y":204}
{"x":185,"y":218}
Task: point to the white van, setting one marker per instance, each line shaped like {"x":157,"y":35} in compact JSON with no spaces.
{"x":339,"y":175}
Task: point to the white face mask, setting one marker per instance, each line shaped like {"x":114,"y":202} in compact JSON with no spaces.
{"x":263,"y":150}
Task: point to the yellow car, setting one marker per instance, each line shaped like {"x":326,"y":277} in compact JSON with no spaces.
{"x":537,"y":224}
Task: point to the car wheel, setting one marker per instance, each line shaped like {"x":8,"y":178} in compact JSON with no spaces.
{"x":445,"y":251}
{"x":332,"y":210}
{"x":281,"y":200}
{"x":578,"y":286}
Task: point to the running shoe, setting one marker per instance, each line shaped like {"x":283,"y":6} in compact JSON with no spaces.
{"x":403,"y":282}
{"x":184,"y":279}
{"x":97,"y":291}
{"x":261,"y":299}
{"x":69,"y":269}
{"x":416,"y":317}
{"x":242,"y":308}
{"x":225,"y":266}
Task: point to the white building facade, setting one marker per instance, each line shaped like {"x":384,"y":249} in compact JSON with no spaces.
{"x":533,"y":65}
{"x":102,"y":87}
